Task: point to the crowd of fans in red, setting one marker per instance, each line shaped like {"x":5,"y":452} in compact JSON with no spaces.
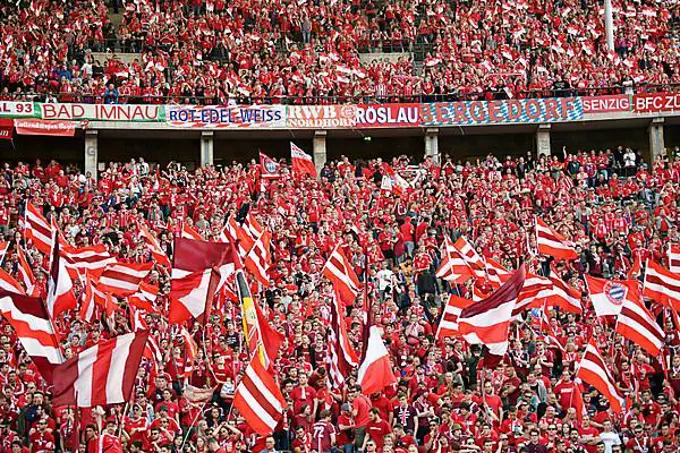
{"x":610,"y":202}
{"x":213,"y":51}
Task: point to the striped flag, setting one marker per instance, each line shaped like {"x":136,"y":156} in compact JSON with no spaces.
{"x":93,"y":259}
{"x":8,"y":283}
{"x":471,"y":257}
{"x":244,"y":234}
{"x":448,"y":325}
{"x":32,"y":324}
{"x":342,"y":355}
{"x":674,"y":258}
{"x":259,"y":399}
{"x":101,"y":375}
{"x":661,"y":285}
{"x":593,"y":370}
{"x":531,"y":296}
{"x":453,"y":268}
{"x":487,"y":322}
{"x":145,"y":297}
{"x":26,"y":273}
{"x":156,"y":251}
{"x":4,"y":245}
{"x":60,"y":295}
{"x":123,"y":279}
{"x":37,"y":229}
{"x":638,"y":325}
{"x":563,"y":296}
{"x":496,"y":274}
{"x":191,"y":351}
{"x":551,"y":243}
{"x":339,"y":271}
{"x":259,"y":258}
{"x":190,"y":233}
{"x":93,"y":296}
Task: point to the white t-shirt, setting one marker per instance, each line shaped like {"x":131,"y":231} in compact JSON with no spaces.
{"x":609,"y":439}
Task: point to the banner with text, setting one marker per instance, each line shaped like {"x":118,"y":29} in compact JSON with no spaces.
{"x":511,"y":111}
{"x":606,"y":104}
{"x":656,"y":102}
{"x":59,"y":128}
{"x":321,"y":116}
{"x":101,"y":112}
{"x":18,"y":110}
{"x":387,"y":115}
{"x":241,"y":116}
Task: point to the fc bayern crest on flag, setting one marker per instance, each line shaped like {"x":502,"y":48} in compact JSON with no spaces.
{"x":615,"y":292}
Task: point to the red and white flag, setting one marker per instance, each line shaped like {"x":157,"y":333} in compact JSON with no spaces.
{"x":638,"y":325}
{"x":593,"y":370}
{"x":259,"y":399}
{"x":123,"y":279}
{"x":33,"y":327}
{"x":191,"y":351}
{"x":95,"y":296}
{"x":342,"y":356}
{"x":453,"y":267}
{"x":471,"y":257}
{"x":608,"y":296}
{"x":189,"y":232}
{"x":563,"y":296}
{"x":551,"y":243}
{"x":339,"y":271}
{"x":487,"y":322}
{"x":60,"y":295}
{"x":37,"y":229}
{"x":496,"y":274}
{"x":191,"y":296}
{"x":259,"y":258}
{"x":4,"y":245}
{"x":101,"y":375}
{"x":375,"y":372}
{"x":26,"y":273}
{"x":270,"y":169}
{"x":145,"y":297}
{"x":156,"y":251}
{"x":244,"y":235}
{"x":674,"y":258}
{"x":662,"y":286}
{"x":535,"y":289}
{"x":92,"y":259}
{"x":448,"y":325}
{"x":8,"y":283}
{"x":196,"y":257}
{"x":303,"y":164}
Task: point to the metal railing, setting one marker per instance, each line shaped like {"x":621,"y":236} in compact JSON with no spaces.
{"x":329,"y":100}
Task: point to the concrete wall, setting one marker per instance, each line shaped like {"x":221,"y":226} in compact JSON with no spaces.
{"x":586,"y":140}
{"x":385,"y":147}
{"x":153,"y":150}
{"x":28,"y":148}
{"x":477,"y":146}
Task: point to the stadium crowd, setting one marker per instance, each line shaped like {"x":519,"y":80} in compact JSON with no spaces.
{"x":219,"y":52}
{"x":618,"y":209}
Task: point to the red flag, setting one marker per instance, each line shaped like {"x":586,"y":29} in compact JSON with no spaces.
{"x":269,"y":167}
{"x":661,"y":285}
{"x":339,"y":271}
{"x":302,"y":162}
{"x":37,"y":229}
{"x":60,"y":296}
